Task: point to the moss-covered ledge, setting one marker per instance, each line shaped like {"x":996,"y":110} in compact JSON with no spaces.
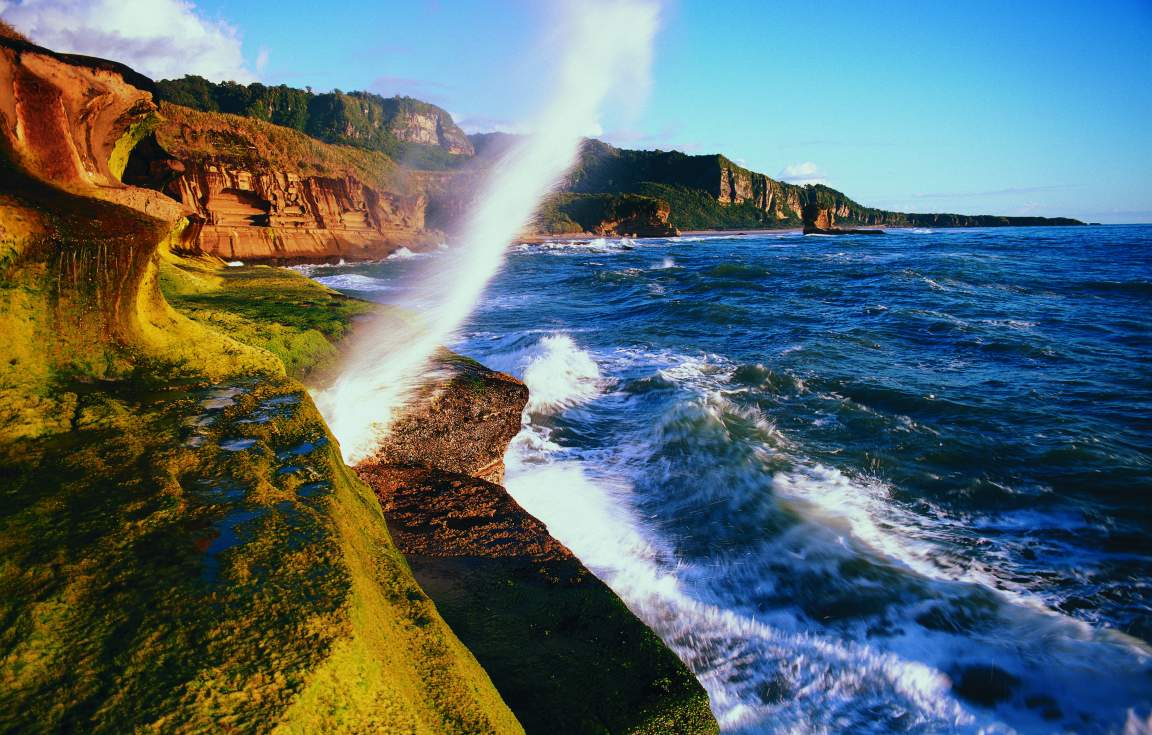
{"x":182,"y":548}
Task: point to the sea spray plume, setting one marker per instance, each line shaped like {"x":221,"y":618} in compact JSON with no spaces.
{"x":605,"y":49}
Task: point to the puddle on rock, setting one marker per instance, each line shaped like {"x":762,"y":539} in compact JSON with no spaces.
{"x":237,"y":445}
{"x":200,"y":421}
{"x":216,"y":491}
{"x":314,"y":489}
{"x":301,"y":449}
{"x":227,"y":531}
{"x":272,"y":408}
{"x":289,"y":399}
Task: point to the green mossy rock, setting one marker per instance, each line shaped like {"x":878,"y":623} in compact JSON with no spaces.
{"x":183,"y":549}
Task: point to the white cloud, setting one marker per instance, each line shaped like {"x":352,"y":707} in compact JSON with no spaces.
{"x":159,"y":38}
{"x":802,"y":174}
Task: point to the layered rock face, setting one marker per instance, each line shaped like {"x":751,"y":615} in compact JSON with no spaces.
{"x":254,"y":191}
{"x":563,"y":650}
{"x":280,"y":215}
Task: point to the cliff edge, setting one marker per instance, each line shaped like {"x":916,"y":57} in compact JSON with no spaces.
{"x":185,"y":551}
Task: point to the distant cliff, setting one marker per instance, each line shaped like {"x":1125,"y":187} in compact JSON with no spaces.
{"x":712,"y":192}
{"x":631,"y":215}
{"x":610,"y":191}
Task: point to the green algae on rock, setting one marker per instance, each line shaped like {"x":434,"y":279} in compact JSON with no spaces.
{"x":184,"y":551}
{"x":160,"y":573}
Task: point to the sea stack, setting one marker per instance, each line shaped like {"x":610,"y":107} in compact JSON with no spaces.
{"x":821,"y":221}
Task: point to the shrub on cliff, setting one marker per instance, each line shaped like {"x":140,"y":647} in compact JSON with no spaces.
{"x":7,"y":31}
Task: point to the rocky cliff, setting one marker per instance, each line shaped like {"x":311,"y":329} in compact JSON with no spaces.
{"x":565,"y":653}
{"x":712,"y":192}
{"x":185,"y":551}
{"x":257,"y":191}
{"x":424,"y":124}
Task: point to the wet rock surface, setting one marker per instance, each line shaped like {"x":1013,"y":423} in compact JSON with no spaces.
{"x":560,"y":646}
{"x":986,"y":685}
{"x":460,"y":423}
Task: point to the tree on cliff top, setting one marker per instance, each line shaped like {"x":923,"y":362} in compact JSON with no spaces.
{"x":7,"y":31}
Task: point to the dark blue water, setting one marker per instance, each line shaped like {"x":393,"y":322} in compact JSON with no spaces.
{"x":895,"y":484}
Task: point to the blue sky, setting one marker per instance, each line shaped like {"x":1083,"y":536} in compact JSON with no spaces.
{"x":972,"y":106}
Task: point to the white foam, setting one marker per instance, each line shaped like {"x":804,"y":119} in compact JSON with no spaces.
{"x":354,"y":282}
{"x":561,"y":375}
{"x":734,"y":656}
{"x":596,"y":245}
{"x":558,"y":373}
{"x":402,"y":253}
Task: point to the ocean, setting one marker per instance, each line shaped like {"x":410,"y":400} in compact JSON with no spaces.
{"x":859,"y":484}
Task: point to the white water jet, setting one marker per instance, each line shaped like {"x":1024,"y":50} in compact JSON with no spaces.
{"x":605,"y":48}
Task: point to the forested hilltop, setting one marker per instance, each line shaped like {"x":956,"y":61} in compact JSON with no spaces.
{"x":406,"y":129}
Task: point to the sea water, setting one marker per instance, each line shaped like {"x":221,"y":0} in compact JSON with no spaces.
{"x":858,"y":484}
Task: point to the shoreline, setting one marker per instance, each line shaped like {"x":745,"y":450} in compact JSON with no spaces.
{"x":536,"y":238}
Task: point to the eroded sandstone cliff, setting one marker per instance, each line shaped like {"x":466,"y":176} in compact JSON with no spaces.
{"x":185,"y":551}
{"x":260,"y":192}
